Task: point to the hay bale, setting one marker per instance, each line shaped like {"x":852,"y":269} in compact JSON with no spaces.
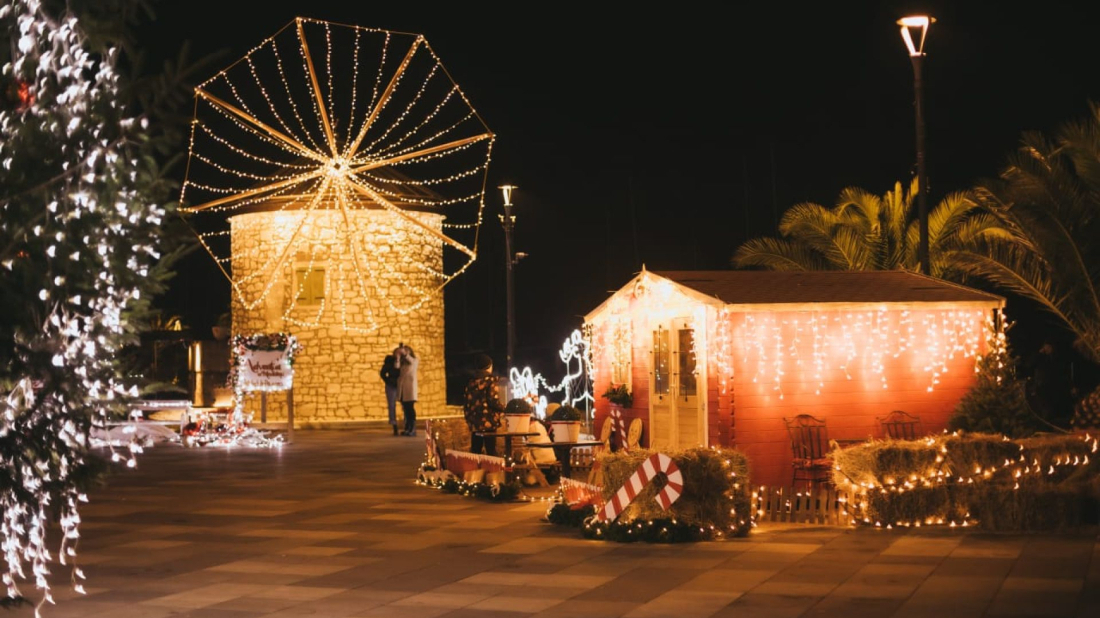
{"x":923,"y":506}
{"x":882,"y":462}
{"x":716,"y":491}
{"x":1033,"y":507}
{"x":452,"y":434}
{"x":1038,"y":483}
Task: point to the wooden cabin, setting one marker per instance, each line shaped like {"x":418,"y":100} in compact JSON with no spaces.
{"x":723,"y":357}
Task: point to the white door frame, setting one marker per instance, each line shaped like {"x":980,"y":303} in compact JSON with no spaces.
{"x":702,"y":427}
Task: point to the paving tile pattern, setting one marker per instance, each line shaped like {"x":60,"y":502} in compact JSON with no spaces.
{"x":332,"y":526}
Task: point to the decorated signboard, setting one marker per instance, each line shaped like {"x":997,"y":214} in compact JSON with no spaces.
{"x":263,"y":362}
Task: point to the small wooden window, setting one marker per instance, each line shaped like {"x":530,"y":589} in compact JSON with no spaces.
{"x":310,"y":284}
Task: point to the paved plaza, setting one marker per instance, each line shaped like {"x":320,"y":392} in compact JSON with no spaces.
{"x":333,"y":526}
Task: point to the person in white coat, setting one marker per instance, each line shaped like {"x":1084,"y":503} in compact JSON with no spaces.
{"x":406,"y":388}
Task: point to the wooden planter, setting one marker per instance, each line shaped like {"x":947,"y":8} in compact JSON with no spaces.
{"x":517,"y":423}
{"x":566,"y":431}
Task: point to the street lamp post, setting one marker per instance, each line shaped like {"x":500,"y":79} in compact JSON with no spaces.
{"x":908,"y":25}
{"x":508,"y":221}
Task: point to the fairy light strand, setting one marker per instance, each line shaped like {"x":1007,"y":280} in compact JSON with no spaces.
{"x":417,"y":119}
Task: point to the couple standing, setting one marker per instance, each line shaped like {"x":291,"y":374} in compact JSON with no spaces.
{"x":399,"y":374}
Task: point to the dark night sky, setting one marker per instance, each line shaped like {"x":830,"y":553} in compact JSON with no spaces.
{"x":670,"y":137}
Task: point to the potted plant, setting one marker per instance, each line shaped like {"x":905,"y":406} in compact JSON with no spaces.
{"x":566,"y":424}
{"x":517,"y":416}
{"x":619,"y":396}
{"x":620,"y":399}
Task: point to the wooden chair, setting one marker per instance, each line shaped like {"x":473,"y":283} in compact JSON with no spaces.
{"x":810,"y":449}
{"x":899,"y":425}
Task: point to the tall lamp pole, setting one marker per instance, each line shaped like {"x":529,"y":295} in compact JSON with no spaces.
{"x":910,"y":26}
{"x":508,"y":221}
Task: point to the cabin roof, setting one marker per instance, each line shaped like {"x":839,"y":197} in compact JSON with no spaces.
{"x":740,"y":287}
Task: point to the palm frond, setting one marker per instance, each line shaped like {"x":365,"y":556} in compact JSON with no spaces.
{"x":946,"y":217}
{"x":861,"y":208}
{"x":777,"y":254}
{"x":819,"y":229}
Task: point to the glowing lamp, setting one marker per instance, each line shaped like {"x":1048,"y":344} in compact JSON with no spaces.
{"x":507,"y":191}
{"x":918,"y":23}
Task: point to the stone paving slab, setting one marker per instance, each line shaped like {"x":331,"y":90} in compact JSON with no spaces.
{"x":332,"y":526}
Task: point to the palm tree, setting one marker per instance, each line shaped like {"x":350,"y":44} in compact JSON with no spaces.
{"x":1046,"y":202}
{"x":866,"y":232}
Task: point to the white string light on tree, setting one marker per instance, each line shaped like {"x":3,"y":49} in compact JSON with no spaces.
{"x":79,"y":240}
{"x":361,"y":144}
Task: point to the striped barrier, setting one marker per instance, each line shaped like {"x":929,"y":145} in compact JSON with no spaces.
{"x":579,"y":495}
{"x":460,"y":462}
{"x":643,"y":476}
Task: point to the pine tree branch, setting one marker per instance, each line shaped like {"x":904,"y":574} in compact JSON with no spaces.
{"x":40,"y":187}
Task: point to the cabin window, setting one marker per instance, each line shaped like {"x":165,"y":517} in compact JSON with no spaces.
{"x":686,"y":362}
{"x":661,"y":368}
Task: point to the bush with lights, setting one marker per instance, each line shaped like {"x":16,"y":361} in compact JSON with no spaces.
{"x":1038,"y":483}
{"x":716,"y":502}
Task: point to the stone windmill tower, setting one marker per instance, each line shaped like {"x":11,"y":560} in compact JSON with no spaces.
{"x":340,"y":174}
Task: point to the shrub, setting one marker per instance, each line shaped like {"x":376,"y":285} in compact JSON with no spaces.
{"x":996,"y":408}
{"x":518,"y":406}
{"x":716,"y":493}
{"x":619,"y":395}
{"x":998,"y":401}
{"x":567,"y":413}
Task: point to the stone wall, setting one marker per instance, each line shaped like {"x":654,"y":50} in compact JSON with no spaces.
{"x":379,"y":290}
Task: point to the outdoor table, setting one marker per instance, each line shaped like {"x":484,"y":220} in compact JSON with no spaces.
{"x":507,"y":435}
{"x":562,"y":451}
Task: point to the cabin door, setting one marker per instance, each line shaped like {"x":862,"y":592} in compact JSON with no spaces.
{"x":689,"y":426}
{"x":674,"y":420}
{"x":660,"y":396}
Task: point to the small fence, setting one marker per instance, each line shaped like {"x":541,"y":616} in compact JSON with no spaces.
{"x":817,"y":505}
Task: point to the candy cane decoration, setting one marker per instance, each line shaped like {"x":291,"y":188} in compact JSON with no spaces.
{"x":658,"y":462}
{"x":619,"y":426}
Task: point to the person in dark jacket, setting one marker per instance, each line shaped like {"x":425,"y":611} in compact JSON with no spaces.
{"x":391,"y":370}
{"x":482,"y":407}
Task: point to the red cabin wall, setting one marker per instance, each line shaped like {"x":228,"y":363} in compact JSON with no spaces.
{"x":748,"y":414}
{"x":849,"y":406}
{"x":639,"y":388}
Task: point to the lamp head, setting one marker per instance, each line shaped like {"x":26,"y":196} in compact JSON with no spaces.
{"x":914,"y":29}
{"x":507,"y":191}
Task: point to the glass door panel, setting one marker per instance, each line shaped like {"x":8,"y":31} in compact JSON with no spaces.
{"x":661,"y":424}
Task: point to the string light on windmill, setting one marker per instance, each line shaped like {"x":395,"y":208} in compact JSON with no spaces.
{"x":342,"y":157}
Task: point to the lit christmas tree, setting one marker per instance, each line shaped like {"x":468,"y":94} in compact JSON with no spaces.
{"x":80,"y":219}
